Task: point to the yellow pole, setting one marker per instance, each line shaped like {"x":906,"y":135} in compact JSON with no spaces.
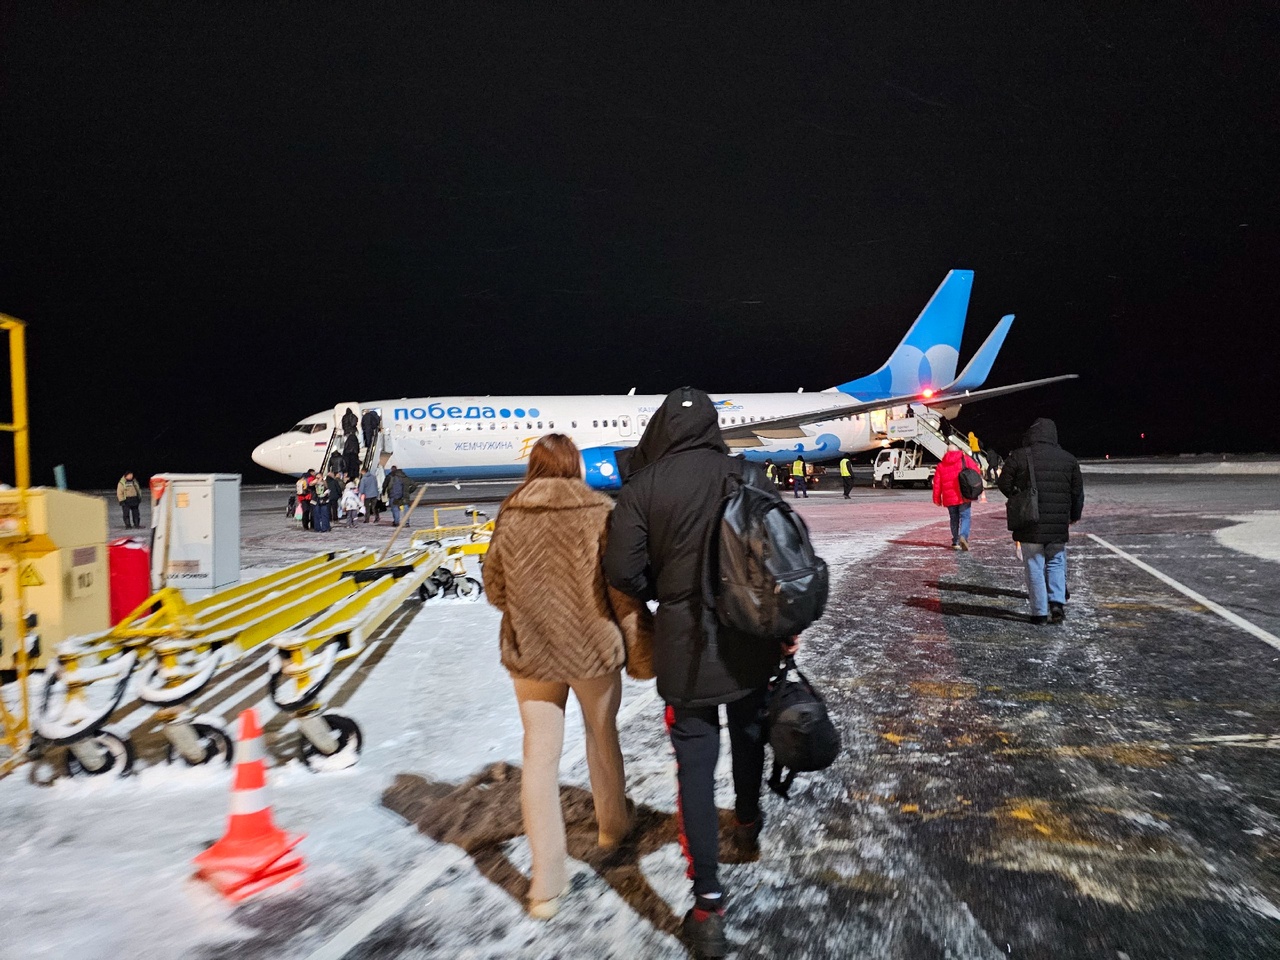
{"x":18,"y":732}
{"x":18,"y":378}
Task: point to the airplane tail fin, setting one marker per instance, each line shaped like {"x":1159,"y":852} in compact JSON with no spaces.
{"x":927,"y":355}
{"x":975,"y":371}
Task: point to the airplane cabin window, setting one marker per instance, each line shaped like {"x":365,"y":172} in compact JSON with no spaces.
{"x":595,"y":423}
{"x":433,"y":428}
{"x":539,"y":424}
{"x":615,"y":424}
{"x":573,"y":423}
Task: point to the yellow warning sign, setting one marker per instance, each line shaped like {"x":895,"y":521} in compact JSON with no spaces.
{"x":29,"y":577}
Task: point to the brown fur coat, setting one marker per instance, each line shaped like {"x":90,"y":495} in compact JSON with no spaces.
{"x":560,"y":619}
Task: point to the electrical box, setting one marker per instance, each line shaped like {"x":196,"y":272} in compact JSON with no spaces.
{"x":195,"y":521}
{"x":57,"y":553}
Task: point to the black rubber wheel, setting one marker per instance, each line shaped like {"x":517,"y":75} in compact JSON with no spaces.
{"x":429,"y":590}
{"x":119,"y":757}
{"x":443,"y":578}
{"x":350,"y":741}
{"x":215,"y":741}
{"x":468,"y":588}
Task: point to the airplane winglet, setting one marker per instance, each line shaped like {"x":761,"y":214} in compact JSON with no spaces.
{"x":979,"y":366}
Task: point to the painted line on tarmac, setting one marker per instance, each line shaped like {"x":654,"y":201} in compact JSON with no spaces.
{"x":391,"y":903}
{"x":1232,"y":618}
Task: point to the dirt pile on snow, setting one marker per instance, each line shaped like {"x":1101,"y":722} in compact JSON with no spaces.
{"x":482,"y":814}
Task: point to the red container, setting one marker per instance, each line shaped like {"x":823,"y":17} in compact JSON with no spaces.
{"x":130,"y":561}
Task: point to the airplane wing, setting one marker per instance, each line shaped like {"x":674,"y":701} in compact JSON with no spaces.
{"x":781,"y":428}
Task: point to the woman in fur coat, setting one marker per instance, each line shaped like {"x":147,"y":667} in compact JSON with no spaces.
{"x":563,"y":628}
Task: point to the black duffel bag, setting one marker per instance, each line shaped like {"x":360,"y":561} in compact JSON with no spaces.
{"x":801,"y":733}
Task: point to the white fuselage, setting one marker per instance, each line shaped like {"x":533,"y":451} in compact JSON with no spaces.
{"x":472,"y":438}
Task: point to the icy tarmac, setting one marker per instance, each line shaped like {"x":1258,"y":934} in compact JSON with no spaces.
{"x":1109,"y":787}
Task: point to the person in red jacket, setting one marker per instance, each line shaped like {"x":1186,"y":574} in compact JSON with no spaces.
{"x":946,"y":493}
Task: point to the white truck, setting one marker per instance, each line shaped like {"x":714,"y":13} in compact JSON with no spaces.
{"x":902,"y":466}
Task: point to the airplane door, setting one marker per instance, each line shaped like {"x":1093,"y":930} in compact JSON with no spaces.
{"x":624,"y":426}
{"x":340,"y":411}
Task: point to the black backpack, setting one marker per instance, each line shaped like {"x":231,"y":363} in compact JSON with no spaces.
{"x":971,"y":485}
{"x":765,"y":581}
{"x":800,"y":731}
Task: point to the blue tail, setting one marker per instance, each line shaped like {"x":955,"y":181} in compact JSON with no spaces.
{"x":927,"y":355}
{"x":975,"y":371}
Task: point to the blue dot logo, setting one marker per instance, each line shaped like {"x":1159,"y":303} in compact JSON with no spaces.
{"x":504,"y":413}
{"x":533,"y":411}
{"x":519,"y":412}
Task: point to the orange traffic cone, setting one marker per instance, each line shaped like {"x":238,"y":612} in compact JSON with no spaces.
{"x":252,"y":854}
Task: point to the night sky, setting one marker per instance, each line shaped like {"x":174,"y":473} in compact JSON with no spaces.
{"x":219,"y":218}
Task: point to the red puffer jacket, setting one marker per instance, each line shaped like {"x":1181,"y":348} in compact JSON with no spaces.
{"x":946,"y":479}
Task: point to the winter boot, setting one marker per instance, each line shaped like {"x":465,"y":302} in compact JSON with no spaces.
{"x":703,"y":929}
{"x":1057,"y":613}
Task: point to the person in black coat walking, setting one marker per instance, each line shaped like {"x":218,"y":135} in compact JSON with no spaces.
{"x":673,"y":491}
{"x":1055,"y":474}
{"x":349,"y":422}
{"x":369,"y":424}
{"x":351,"y":455}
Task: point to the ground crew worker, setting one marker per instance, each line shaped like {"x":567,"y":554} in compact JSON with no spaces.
{"x":771,"y":471}
{"x":798,"y":484}
{"x":846,"y":475}
{"x":129,"y":496}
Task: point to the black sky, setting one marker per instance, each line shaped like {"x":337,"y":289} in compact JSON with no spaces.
{"x":221,"y":217}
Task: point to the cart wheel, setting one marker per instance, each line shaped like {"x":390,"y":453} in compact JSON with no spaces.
{"x":443,"y":578}
{"x":349,"y":740}
{"x":432,"y":544}
{"x":468,"y":588}
{"x":117,"y":758}
{"x":886,"y":482}
{"x":215,"y":741}
{"x":429,"y":590}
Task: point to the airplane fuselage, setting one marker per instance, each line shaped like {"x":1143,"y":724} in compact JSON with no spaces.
{"x":471,"y":438}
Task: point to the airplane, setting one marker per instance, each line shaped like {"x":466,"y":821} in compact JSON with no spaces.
{"x":457,"y":439}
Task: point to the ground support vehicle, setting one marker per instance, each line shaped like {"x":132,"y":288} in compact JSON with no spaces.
{"x":902,"y":466}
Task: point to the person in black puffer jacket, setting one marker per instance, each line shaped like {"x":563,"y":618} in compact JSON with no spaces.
{"x":672,"y":495}
{"x":1061,"y":501}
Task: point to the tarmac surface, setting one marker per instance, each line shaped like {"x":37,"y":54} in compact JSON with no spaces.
{"x":1106,"y":787}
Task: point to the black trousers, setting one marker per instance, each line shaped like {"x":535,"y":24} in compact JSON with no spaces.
{"x":695,"y":734}
{"x":306,"y":514}
{"x":848,"y":485}
{"x":132,"y":516}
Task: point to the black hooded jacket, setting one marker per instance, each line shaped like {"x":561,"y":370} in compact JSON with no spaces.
{"x":1057,"y":479}
{"x":672,"y":495}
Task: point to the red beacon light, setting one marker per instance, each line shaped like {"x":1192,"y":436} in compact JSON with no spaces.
{"x":927,"y":392}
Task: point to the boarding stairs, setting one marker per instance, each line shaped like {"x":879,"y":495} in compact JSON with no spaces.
{"x":924,"y":429}
{"x":373,"y":458}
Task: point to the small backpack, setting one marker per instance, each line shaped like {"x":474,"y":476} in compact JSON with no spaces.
{"x":766,"y":581}
{"x":801,"y":733}
{"x":971,"y":485}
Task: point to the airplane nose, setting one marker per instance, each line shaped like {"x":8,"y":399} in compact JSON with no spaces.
{"x":270,"y":454}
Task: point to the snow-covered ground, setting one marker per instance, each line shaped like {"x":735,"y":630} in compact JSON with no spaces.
{"x":102,"y":866}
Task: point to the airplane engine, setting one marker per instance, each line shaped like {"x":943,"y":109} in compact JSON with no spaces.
{"x":602,"y":468}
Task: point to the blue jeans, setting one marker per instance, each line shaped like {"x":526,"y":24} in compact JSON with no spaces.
{"x":1046,"y":565}
{"x":395,"y":513}
{"x":959,"y":522}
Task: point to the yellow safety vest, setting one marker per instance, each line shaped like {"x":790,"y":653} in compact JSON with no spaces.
{"x":844,"y":468}
{"x":797,"y":468}
{"x":770,"y":470}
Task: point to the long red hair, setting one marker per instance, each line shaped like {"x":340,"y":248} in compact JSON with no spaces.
{"x":554,"y":455}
